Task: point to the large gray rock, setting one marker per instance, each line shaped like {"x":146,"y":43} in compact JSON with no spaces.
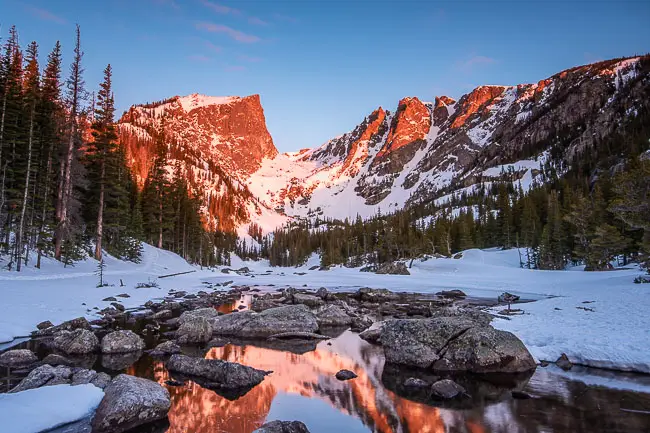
{"x":81,"y":377}
{"x":208,"y":313}
{"x":289,"y":318}
{"x":17,"y":358}
{"x":130,"y":402}
{"x":217,"y":374}
{"x":332,"y":315}
{"x":283,"y":427}
{"x":122,"y":342}
{"x":194,"y":330}
{"x":77,"y":342}
{"x":398,"y":268}
{"x":483,"y":349}
{"x":78,"y":323}
{"x":418,"y":342}
{"x":454,"y":344}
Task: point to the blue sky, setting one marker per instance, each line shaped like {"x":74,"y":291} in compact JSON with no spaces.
{"x":322,"y":66}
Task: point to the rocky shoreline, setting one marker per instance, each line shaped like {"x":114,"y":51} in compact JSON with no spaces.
{"x":439,"y":349}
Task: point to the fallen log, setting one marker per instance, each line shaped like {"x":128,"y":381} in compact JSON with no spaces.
{"x":303,"y":335}
{"x":177,"y":273}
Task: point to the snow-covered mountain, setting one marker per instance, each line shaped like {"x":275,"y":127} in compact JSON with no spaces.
{"x":420,"y":151}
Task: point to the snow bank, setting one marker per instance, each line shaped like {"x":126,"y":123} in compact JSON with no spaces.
{"x":44,"y":408}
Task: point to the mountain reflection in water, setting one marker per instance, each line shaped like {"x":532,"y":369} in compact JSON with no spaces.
{"x":568,"y":405}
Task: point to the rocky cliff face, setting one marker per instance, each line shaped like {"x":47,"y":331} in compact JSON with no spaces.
{"x":421,"y":151}
{"x":213,"y":142}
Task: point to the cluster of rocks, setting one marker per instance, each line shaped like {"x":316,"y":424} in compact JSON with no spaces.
{"x":414,"y":331}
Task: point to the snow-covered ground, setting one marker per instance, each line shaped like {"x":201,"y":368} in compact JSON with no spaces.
{"x":597,"y":318}
{"x":45,"y":408}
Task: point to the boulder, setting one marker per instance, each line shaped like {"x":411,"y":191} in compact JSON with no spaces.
{"x":332,"y":315}
{"x":77,"y":342}
{"x":194,"y":330}
{"x":207,"y":313}
{"x":564,"y":363}
{"x":311,"y":301}
{"x":17,"y":358}
{"x":122,"y":342}
{"x":247,"y":324}
{"x":45,"y":375}
{"x":398,"y":268}
{"x":54,"y":359}
{"x":376,"y":295}
{"x":453,"y":294}
{"x":162,"y":315}
{"x":371,"y":335}
{"x":446,"y":389}
{"x":130,"y":402}
{"x":217,"y":374}
{"x":283,"y":427}
{"x":360,"y":323}
{"x":454,"y":344}
{"x":261,"y":304}
{"x":483,"y":349}
{"x":44,"y":325}
{"x":78,"y":323}
{"x":165,"y":349}
{"x":323,"y":293}
{"x":83,"y":376}
{"x":345,"y":375}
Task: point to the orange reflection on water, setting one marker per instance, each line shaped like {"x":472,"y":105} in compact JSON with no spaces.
{"x":199,"y":410}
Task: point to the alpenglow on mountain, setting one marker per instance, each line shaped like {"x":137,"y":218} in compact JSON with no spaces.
{"x":418,"y":152}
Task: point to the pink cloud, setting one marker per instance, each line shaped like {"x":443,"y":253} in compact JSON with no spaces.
{"x":212,"y":47}
{"x":46,"y":15}
{"x":221,"y":9}
{"x":234,"y":34}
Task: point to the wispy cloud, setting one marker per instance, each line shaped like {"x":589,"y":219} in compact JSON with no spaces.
{"x":245,"y":58}
{"x":234,"y":34}
{"x":199,"y":58}
{"x":46,"y":15}
{"x":212,"y":47}
{"x":235,"y":68}
{"x":257,"y":21}
{"x":221,"y":9}
{"x":285,"y":18}
{"x":468,"y":65}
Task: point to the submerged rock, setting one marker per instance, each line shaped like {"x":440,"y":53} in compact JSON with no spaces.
{"x":17,"y":358}
{"x":130,"y":402}
{"x":120,"y":361}
{"x":77,"y":342}
{"x":207,"y":313}
{"x":283,"y":427}
{"x":122,"y":342}
{"x":446,"y":389}
{"x":345,"y":375}
{"x":217,"y":374}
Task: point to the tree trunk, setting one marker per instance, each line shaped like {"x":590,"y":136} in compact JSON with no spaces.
{"x":160,"y":222}
{"x":100,"y":213}
{"x":21,"y":223}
